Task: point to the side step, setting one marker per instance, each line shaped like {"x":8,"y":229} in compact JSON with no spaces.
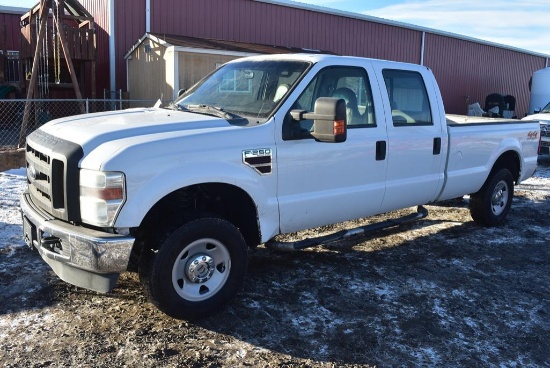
{"x":421,"y":212}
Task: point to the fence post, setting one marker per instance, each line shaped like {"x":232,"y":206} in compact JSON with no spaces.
{"x":87,"y":106}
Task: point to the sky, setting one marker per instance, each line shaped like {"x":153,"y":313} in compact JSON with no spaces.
{"x":518,"y":23}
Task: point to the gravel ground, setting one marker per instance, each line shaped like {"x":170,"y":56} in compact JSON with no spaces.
{"x":438,"y":292}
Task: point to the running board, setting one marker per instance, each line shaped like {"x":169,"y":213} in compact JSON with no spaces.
{"x":421,"y":212}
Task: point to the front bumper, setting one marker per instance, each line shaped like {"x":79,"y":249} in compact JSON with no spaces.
{"x":83,"y":257}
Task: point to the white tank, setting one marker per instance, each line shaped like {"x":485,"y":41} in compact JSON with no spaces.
{"x":540,"y":90}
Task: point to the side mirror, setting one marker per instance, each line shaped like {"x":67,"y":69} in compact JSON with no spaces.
{"x":181,"y":92}
{"x":329,"y":119}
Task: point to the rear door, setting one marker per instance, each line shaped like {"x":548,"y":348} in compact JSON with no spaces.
{"x":416,"y":135}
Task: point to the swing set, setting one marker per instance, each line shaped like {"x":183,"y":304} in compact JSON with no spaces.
{"x":58,"y":42}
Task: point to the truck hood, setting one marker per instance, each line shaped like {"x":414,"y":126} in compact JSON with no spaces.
{"x":91,"y":130}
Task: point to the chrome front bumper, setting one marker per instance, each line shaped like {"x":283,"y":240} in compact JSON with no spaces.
{"x":83,"y":257}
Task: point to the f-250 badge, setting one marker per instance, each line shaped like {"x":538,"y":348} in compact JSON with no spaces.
{"x":259,"y":159}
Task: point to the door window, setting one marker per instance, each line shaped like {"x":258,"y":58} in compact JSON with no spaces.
{"x":408,"y":98}
{"x":348,"y":83}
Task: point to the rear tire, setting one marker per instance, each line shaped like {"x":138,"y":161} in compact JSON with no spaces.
{"x":197,"y":269}
{"x":491,"y":204}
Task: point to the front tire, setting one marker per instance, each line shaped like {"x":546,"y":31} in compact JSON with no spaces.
{"x":197,"y":269}
{"x":491,"y":204}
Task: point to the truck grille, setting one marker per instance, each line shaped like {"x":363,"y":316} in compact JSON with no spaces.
{"x":39,"y":176}
{"x":52,"y":175}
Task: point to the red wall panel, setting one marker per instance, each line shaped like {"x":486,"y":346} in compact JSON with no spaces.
{"x":129,"y":27}
{"x":99,"y":10}
{"x":255,"y":22}
{"x":464,"y":68}
{"x":9,"y":23}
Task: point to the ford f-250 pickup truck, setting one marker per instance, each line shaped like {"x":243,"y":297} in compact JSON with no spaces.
{"x":263,"y":146}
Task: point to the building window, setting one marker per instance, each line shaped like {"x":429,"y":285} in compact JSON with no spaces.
{"x":237,"y":81}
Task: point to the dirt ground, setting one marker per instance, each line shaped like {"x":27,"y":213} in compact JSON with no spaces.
{"x":438,"y":292}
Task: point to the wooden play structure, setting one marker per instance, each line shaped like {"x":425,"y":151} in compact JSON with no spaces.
{"x":58,"y":52}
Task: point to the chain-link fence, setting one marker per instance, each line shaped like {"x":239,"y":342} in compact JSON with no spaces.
{"x":16,"y":123}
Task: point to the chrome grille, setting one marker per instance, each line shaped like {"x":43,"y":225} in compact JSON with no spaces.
{"x":39,"y":177}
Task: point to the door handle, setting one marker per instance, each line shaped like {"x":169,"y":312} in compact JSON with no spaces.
{"x":380,"y":150}
{"x":437,"y":146}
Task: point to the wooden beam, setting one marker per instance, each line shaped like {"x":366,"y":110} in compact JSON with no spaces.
{"x":69,"y":61}
{"x":84,"y":24}
{"x":77,"y":17}
{"x":44,"y":10}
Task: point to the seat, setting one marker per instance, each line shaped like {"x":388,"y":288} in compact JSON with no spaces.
{"x":510,"y":107}
{"x":353,"y":115}
{"x":494,"y":105}
{"x":282,"y":89}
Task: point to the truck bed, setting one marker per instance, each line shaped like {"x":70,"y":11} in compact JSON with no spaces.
{"x":457,"y":120}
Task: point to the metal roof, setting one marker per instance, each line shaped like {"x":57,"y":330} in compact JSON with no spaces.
{"x":12,"y":10}
{"x":218,"y":46}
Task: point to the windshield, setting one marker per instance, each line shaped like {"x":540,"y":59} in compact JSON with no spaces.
{"x":250,"y":89}
{"x":546,"y":109}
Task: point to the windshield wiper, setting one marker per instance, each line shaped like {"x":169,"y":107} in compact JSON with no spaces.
{"x":174,"y":106}
{"x":212,"y":110}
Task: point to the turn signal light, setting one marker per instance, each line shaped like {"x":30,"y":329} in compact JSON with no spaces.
{"x":339,"y":127}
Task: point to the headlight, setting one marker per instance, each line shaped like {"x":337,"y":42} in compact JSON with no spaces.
{"x":102,"y":195}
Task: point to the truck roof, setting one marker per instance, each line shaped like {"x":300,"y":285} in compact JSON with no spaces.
{"x":330,"y":59}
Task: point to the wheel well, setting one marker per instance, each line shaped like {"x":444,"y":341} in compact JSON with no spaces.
{"x":224,"y":200}
{"x":510,"y":161}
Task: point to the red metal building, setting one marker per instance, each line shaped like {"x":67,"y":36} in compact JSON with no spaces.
{"x":467,"y":69}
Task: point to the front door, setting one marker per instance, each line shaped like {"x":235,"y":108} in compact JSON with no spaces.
{"x":321,"y":183}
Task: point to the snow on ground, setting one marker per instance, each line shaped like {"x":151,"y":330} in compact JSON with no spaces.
{"x":439,"y":292}
{"x":12,"y":184}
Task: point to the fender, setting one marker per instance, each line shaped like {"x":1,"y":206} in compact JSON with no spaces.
{"x":141,"y":198}
{"x":466,"y":173}
{"x":156,"y":165}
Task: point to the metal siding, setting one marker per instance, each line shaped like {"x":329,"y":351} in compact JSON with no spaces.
{"x":129,"y":27}
{"x":13,"y":31}
{"x":100,"y":11}
{"x":463,"y":68}
{"x":249,"y":21}
{"x":476,"y":70}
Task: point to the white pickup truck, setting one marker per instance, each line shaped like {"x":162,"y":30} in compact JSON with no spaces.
{"x":263,"y":146}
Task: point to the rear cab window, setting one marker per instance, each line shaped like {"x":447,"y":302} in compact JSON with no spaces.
{"x":410,"y":105}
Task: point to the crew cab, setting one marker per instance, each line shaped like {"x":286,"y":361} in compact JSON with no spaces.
{"x":263,"y":146}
